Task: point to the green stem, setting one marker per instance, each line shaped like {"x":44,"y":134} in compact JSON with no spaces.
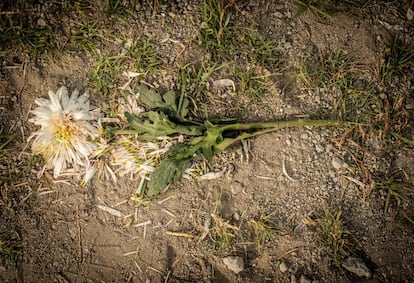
{"x":281,"y":124}
{"x":270,"y":127}
{"x":228,"y":142}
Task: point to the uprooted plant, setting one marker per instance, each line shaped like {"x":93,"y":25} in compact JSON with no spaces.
{"x":160,"y":144}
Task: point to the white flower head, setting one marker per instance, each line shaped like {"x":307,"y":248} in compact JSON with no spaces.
{"x":67,"y":131}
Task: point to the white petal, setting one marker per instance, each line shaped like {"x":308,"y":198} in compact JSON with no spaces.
{"x":55,"y":103}
{"x":59,"y":165}
{"x":89,"y":175}
{"x":42,"y":101}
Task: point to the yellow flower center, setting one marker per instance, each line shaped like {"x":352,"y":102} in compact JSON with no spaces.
{"x":64,"y":130}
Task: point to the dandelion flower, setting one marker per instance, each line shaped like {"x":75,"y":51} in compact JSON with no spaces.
{"x":66,"y":135}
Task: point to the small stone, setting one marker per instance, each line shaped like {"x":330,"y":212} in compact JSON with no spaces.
{"x":304,"y":279}
{"x":319,"y":148}
{"x":288,"y":142}
{"x":278,"y":15}
{"x":292,"y":279}
{"x":410,"y":14}
{"x":357,"y":266}
{"x":41,"y":22}
{"x":337,"y":163}
{"x":304,"y":136}
{"x":283,"y":267}
{"x":234,"y":263}
{"x":328,"y":148}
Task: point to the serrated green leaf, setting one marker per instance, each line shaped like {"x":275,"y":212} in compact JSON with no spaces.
{"x":150,"y":125}
{"x":166,"y":103}
{"x":170,"y":101}
{"x":167,"y":172}
{"x":150,"y":97}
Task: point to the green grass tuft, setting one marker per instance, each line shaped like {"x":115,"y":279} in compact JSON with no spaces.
{"x":395,"y":189}
{"x":314,"y":6}
{"x":399,"y":57}
{"x":263,"y":230}
{"x":334,"y":236}
{"x":107,"y":76}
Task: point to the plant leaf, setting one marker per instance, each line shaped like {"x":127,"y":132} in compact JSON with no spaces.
{"x":150,"y":97}
{"x":170,"y":102}
{"x":168,"y":171}
{"x":184,"y":109}
{"x":166,"y":103}
{"x":151,"y":125}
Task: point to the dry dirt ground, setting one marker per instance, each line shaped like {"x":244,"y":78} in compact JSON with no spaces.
{"x":266,"y":210}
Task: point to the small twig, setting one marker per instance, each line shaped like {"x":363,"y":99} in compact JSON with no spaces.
{"x":46,"y":192}
{"x":168,"y":276}
{"x":110,"y":210}
{"x":131,"y":253}
{"x":264,"y":177}
{"x":143,"y":223}
{"x":80,"y":250}
{"x":164,"y":200}
{"x":206,"y":227}
{"x":285,"y":172}
{"x":289,"y":252}
{"x":168,"y":212}
{"x":154,"y":269}
{"x":179,"y":234}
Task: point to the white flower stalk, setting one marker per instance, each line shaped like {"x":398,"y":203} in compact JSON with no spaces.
{"x":66,"y":135}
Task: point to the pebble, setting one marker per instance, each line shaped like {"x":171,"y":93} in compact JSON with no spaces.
{"x":328,"y":148}
{"x":234,"y":263}
{"x":319,"y":148}
{"x":236,"y":216}
{"x":410,"y":14}
{"x":337,"y":163}
{"x":283,"y":267}
{"x":357,"y":266}
{"x":278,"y":15}
{"x":41,"y":23}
